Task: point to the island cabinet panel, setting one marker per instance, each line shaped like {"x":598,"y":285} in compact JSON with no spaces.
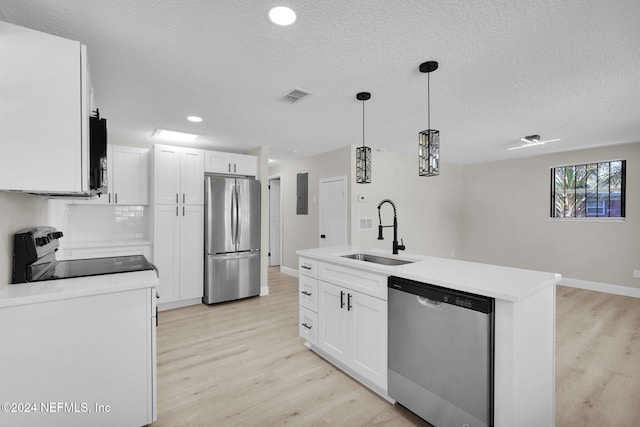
{"x":355,"y":279}
{"x":525,"y":361}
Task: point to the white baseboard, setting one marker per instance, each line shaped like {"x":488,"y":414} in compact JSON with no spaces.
{"x":179,"y":304}
{"x":289,"y":271}
{"x":626,"y":291}
{"x":264,"y":290}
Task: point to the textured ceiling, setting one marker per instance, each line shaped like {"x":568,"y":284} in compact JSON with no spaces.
{"x":561,"y":69}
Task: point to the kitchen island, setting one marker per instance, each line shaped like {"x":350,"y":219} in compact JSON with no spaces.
{"x":79,"y":351}
{"x":524,"y":321}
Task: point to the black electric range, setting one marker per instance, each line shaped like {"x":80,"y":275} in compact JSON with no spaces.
{"x":34,"y":259}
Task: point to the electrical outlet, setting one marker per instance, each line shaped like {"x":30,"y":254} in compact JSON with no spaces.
{"x":636,"y":274}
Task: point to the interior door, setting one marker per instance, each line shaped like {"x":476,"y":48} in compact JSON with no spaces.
{"x":333,"y":212}
{"x":274,"y":222}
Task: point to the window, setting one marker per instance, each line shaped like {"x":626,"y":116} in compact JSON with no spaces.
{"x":591,"y":190}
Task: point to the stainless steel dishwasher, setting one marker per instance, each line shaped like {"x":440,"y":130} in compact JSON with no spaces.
{"x":441,"y":353}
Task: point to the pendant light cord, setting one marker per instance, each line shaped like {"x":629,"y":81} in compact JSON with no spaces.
{"x":363,"y":124}
{"x":428,"y":103}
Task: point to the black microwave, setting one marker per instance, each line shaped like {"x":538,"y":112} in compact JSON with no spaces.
{"x":97,"y":153}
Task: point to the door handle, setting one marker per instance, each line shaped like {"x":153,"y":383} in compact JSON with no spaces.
{"x":306,"y":326}
{"x":349,"y":302}
{"x":341,"y":299}
{"x":306,"y":293}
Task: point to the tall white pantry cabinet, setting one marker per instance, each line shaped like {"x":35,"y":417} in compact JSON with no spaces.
{"x":178,"y":224}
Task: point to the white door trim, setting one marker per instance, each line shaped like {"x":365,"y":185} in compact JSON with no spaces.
{"x":278,"y":177}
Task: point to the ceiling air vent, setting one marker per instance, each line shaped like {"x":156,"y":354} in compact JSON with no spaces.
{"x":295,"y":95}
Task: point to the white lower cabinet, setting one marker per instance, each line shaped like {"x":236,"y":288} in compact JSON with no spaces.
{"x":347,"y":326}
{"x":178,"y":248}
{"x":352,"y":328}
{"x":94,"y":354}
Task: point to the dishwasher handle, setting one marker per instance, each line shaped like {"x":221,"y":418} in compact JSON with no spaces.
{"x":429,"y":303}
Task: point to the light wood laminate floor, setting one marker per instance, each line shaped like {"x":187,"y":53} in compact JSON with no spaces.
{"x":243,"y":364}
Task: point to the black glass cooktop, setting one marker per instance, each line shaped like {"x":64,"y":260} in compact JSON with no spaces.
{"x":95,"y":267}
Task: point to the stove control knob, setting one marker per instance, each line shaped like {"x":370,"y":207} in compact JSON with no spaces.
{"x":41,"y":241}
{"x":57,"y":234}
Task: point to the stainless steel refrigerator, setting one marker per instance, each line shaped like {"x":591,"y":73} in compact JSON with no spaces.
{"x":232,"y":238}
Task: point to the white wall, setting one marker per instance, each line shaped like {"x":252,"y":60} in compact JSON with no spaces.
{"x":17,"y":211}
{"x":301,"y":231}
{"x":429,"y":208}
{"x":506,"y":219}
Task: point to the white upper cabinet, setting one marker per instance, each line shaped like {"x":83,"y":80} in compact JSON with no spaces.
{"x":43,"y":112}
{"x":130,"y":177}
{"x":178,"y":175}
{"x":192,"y":177}
{"x":228,"y":163}
{"x":127,"y":177}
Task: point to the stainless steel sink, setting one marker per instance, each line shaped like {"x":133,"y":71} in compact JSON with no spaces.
{"x":377,"y":259}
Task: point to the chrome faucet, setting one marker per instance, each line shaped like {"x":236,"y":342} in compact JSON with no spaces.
{"x":396,"y":246}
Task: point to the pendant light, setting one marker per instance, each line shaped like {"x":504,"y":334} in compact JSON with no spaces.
{"x":429,"y":140}
{"x":363,"y":154}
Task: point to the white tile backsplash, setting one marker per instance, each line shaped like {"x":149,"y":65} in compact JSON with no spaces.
{"x":87,"y":223}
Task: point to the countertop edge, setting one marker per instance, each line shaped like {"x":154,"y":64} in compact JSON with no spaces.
{"x":333,"y":255}
{"x":47,"y":291}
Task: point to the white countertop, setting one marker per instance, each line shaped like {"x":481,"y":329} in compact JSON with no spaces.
{"x":51,"y":290}
{"x":503,"y":283}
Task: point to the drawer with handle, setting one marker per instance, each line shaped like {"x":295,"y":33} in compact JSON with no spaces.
{"x":308,"y":292}
{"x":308,"y":267}
{"x":309,"y":325}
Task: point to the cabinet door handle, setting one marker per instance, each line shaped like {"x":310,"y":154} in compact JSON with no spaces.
{"x":177,"y":211}
{"x":306,"y":293}
{"x":116,"y":197}
{"x":229,"y":167}
{"x":176,"y":197}
{"x":182,"y":197}
{"x":183,"y":211}
{"x":109,"y":197}
{"x":305,"y":266}
{"x":349,"y":302}
{"x":341,"y":299}
{"x":234,"y":167}
{"x":306,"y":326}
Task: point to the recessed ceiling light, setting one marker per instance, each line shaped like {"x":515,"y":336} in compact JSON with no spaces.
{"x":282,"y":15}
{"x":171,"y":135}
{"x":194,"y":119}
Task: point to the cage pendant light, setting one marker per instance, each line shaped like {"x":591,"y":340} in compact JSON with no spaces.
{"x":429,"y":140}
{"x":363,"y":154}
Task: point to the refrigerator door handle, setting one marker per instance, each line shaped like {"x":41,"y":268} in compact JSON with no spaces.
{"x":238,"y":225}
{"x":234,"y":216}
